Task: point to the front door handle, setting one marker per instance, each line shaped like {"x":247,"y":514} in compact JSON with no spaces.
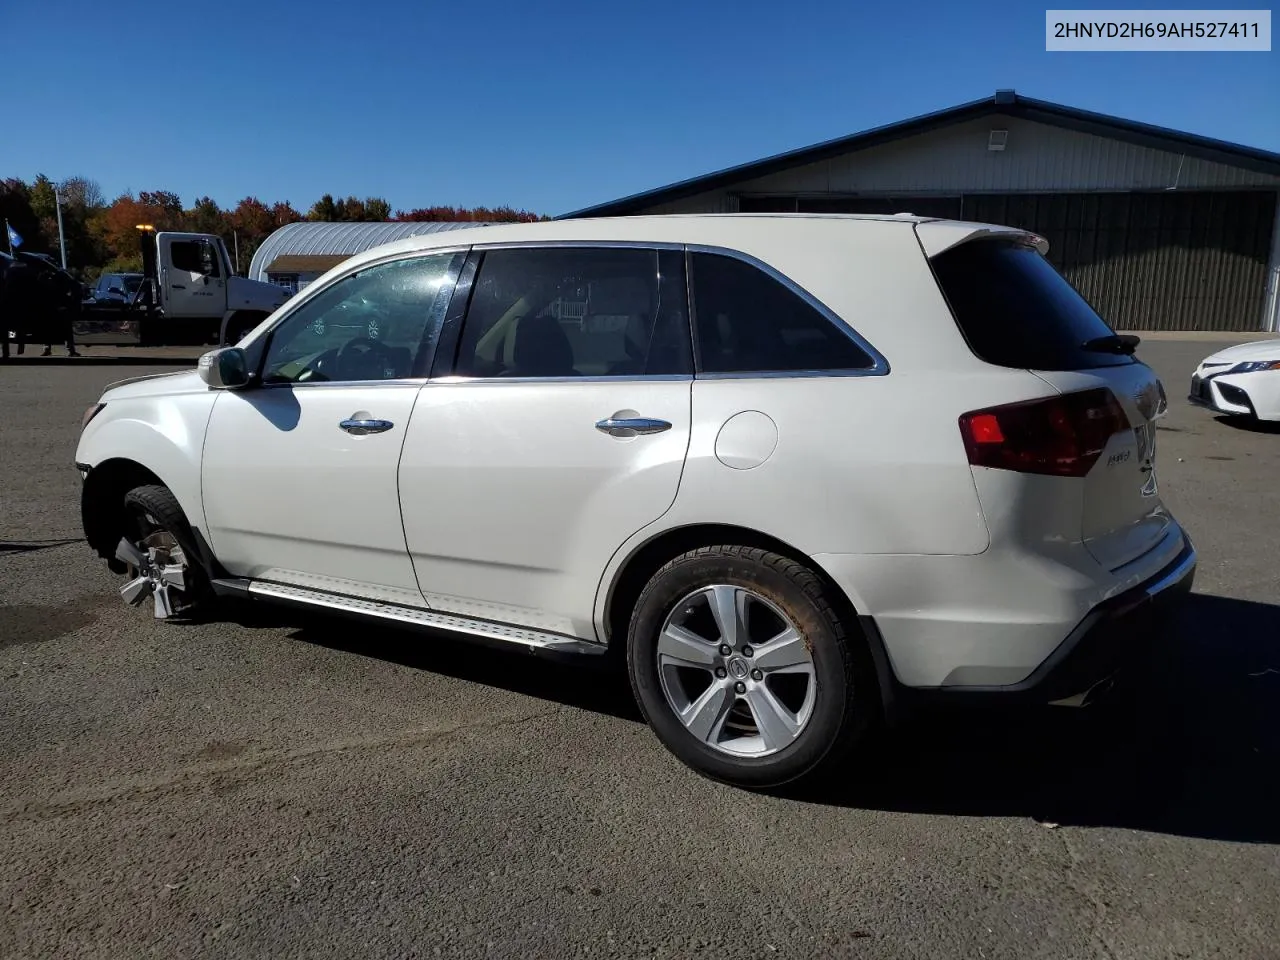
{"x":362,"y":427}
{"x":631,"y":426}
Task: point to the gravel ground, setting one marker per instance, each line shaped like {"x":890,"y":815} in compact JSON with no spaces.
{"x":281,"y":785}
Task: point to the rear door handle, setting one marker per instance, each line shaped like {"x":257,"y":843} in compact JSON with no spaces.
{"x":631,"y":426}
{"x":362,"y":427}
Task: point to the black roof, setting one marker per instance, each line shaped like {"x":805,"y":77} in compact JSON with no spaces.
{"x":1006,"y":103}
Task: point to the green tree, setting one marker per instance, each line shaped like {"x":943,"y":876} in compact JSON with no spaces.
{"x":375,"y":208}
{"x":81,"y":202}
{"x":205,"y":216}
{"x":323,"y":209}
{"x":15,"y":207}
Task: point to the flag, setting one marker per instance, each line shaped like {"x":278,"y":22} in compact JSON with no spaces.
{"x":15,"y":238}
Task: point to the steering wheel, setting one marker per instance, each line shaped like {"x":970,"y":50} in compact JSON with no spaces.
{"x":362,"y":359}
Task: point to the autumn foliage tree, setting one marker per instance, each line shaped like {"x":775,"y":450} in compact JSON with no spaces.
{"x":465,"y":214}
{"x":103,"y":237}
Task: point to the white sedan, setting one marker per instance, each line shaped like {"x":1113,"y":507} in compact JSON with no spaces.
{"x":1242,"y":380}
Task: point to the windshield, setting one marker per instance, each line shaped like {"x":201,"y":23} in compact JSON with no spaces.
{"x":1015,"y":310}
{"x":132,"y":283}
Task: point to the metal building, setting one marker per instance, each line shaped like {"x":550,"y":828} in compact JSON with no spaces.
{"x":1158,"y":229}
{"x":298,"y":253}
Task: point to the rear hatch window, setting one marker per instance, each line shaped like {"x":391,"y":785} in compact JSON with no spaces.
{"x":1015,"y":310}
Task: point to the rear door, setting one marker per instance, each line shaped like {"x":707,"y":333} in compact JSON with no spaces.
{"x":1016,"y":310}
{"x":560,"y":431}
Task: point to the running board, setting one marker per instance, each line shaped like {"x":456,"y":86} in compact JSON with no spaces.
{"x":536,"y":641}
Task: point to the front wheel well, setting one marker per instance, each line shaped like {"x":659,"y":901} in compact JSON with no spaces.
{"x":102,"y":503}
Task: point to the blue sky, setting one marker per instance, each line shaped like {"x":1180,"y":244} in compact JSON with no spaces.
{"x":546,"y":106}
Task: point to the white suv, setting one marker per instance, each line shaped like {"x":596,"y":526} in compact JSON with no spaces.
{"x":796,"y":467}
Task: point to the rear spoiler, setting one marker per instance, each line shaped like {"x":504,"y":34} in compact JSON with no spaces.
{"x":938,"y":236}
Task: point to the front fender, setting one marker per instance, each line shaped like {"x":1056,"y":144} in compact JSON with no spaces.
{"x":164,"y":435}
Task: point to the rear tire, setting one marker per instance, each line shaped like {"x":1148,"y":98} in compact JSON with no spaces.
{"x":159,"y":550}
{"x":792,"y":698}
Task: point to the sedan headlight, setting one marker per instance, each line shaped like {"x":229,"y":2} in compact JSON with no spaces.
{"x":1253,"y":366}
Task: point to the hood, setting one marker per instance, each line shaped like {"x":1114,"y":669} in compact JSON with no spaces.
{"x":1255,"y":350}
{"x":243,"y":294}
{"x":154,"y":385}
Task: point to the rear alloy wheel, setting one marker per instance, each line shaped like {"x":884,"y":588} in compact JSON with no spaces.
{"x":745,"y":671}
{"x":161,"y":569}
{"x":736,"y":671}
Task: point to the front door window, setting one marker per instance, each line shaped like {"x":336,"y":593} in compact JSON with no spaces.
{"x":376,"y":324}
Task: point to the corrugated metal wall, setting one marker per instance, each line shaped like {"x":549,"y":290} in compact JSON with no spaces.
{"x":1194,"y":260}
{"x":1038,"y":157}
{"x":1153,"y":261}
{"x":346,"y":238}
{"x":955,"y":160}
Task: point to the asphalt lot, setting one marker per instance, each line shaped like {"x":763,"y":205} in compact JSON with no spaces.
{"x":279,"y":785}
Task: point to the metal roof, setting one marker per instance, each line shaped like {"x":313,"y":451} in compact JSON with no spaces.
{"x":1005,"y":103}
{"x":322,"y":238}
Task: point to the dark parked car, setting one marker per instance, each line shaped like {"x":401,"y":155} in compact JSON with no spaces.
{"x":115,"y":290}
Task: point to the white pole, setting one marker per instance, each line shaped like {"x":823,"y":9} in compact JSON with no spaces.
{"x":62,"y":243}
{"x":236,"y":238}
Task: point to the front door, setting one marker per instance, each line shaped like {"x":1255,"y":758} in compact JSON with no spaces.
{"x":561,"y":432}
{"x":299,"y":472}
{"x":192,"y":283}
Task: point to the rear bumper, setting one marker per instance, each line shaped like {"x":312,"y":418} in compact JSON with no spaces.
{"x":1113,"y":636}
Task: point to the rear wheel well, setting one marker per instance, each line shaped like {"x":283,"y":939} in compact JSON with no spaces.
{"x":102,"y":503}
{"x":640,"y":567}
{"x":645,"y":562}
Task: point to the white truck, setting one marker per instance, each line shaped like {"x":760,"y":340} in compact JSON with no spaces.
{"x":190,"y":291}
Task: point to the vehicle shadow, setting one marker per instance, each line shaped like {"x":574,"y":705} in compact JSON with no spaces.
{"x":1250,"y":425}
{"x":28,"y":546}
{"x":596,"y":684}
{"x":1189,"y":745}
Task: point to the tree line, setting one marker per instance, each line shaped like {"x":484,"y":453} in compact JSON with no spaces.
{"x":102,"y":237}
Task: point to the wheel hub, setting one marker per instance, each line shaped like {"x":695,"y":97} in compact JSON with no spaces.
{"x":158,"y":568}
{"x":736,"y":671}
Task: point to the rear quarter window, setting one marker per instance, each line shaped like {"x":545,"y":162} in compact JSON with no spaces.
{"x":1015,"y":310}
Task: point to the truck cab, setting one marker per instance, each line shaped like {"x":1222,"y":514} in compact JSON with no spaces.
{"x":197,"y":292}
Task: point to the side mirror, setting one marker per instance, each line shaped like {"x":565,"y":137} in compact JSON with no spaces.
{"x":226,"y":368}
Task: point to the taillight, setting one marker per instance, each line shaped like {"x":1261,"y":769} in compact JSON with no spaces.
{"x":1060,"y":436}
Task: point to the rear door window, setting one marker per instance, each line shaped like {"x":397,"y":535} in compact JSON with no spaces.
{"x":577,"y":312}
{"x":1015,"y":310}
